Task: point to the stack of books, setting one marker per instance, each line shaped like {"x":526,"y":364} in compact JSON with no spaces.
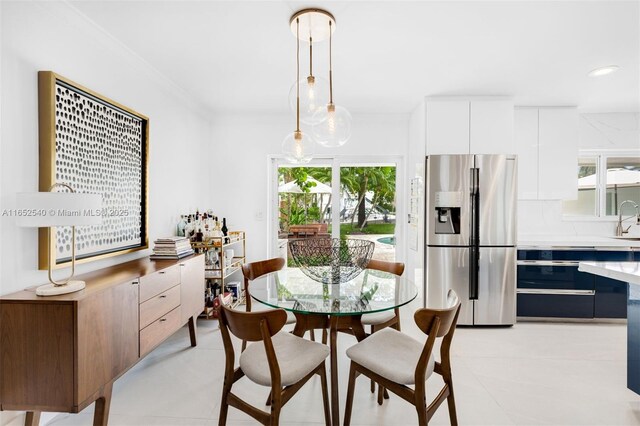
{"x":171,"y":248}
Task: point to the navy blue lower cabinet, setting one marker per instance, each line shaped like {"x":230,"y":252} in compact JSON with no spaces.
{"x":611,"y":298}
{"x":550,"y":285}
{"x":555,"y":305}
{"x":633,"y":339}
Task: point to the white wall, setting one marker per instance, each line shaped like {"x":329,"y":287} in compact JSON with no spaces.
{"x":243,"y":144}
{"x":415,"y":168}
{"x":53,"y":36}
{"x":606,"y":131}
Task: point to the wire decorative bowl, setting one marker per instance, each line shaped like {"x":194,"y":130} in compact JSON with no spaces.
{"x":331,"y":260}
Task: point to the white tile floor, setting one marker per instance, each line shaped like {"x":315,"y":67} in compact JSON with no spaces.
{"x":530,"y":374}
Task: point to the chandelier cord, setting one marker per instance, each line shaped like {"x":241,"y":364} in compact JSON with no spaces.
{"x":330,"y":68}
{"x":310,"y":56}
{"x":298,"y":75}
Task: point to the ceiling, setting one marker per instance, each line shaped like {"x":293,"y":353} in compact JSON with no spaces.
{"x":239,"y":56}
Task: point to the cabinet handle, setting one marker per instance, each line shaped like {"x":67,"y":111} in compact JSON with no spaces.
{"x":134,"y":283}
{"x":161,"y":272}
{"x":163,"y":296}
{"x":182,"y":264}
{"x":547,"y":263}
{"x":556,"y":292}
{"x":162,"y":319}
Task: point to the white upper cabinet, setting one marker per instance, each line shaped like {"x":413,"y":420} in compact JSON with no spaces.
{"x":558,"y":154}
{"x":469,"y":126}
{"x":526,"y":136}
{"x":491,"y":127}
{"x":547,"y":148}
{"x":447,"y":123}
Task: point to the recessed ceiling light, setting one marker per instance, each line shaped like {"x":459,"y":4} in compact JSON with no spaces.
{"x":598,"y":72}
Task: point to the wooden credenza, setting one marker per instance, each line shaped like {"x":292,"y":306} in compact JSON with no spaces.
{"x":62,"y":353}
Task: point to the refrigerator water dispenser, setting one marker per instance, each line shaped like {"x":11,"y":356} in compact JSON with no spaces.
{"x":447,"y":205}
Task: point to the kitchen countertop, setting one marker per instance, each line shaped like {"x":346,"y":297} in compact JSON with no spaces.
{"x":600,"y":242}
{"x":623,"y":271}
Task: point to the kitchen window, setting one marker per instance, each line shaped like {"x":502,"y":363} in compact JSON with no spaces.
{"x":605,"y":179}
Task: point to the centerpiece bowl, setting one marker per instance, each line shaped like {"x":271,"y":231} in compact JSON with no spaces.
{"x":331,"y":260}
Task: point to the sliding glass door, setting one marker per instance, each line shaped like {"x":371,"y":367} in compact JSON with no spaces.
{"x":335,"y":197}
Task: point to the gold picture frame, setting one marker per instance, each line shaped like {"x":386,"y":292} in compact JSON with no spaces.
{"x":52,"y":112}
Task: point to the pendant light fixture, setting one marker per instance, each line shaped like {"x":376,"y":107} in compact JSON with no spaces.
{"x":333,"y":123}
{"x":313,"y":92}
{"x":298,"y":147}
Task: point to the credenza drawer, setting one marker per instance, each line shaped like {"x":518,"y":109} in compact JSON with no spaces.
{"x":159,"y":305}
{"x":159,"y":330}
{"x":158,"y":282}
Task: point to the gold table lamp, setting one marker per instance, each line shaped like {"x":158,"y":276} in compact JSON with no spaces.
{"x":50,"y":209}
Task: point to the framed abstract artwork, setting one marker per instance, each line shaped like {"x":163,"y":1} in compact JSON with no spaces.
{"x":94,"y":145}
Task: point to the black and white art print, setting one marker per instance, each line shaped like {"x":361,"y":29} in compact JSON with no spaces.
{"x":101,"y":148}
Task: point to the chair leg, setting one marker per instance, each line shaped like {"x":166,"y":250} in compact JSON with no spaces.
{"x":276,"y":405}
{"x":275,"y":416}
{"x":422,"y":416}
{"x":380,"y":394}
{"x":324,"y":336}
{"x":420,"y":403}
{"x":244,"y":346}
{"x":325,"y":395}
{"x":373,"y":384}
{"x":268,"y":403}
{"x":451,"y":403}
{"x":224,"y":405}
{"x":312,"y":335}
{"x":350,"y":390}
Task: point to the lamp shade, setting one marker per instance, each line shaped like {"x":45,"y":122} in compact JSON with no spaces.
{"x":45,"y":209}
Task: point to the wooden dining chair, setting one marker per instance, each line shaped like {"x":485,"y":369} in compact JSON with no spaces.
{"x":255,"y":270}
{"x":278,"y":360}
{"x":397,"y":361}
{"x":379,"y":320}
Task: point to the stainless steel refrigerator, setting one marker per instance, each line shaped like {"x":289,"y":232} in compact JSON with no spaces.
{"x":471,"y":235}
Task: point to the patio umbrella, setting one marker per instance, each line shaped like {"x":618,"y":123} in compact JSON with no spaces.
{"x":293,"y":188}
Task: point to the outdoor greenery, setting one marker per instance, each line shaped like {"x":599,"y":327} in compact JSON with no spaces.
{"x":372,"y":228}
{"x":301,"y":208}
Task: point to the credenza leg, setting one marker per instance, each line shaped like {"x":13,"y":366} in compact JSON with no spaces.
{"x":101,"y":413}
{"x":32,"y":418}
{"x":192,"y":331}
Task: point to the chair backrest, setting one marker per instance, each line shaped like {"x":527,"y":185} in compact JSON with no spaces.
{"x":447,"y":317}
{"x":437,"y":323}
{"x":247,"y":325}
{"x":396,"y":268}
{"x":254,"y":270}
{"x":252,"y":327}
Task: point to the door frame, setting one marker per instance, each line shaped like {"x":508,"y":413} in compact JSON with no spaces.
{"x":337,"y":161}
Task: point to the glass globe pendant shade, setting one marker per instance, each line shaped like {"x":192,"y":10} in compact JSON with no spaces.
{"x":333,"y":128}
{"x":298,"y":147}
{"x":314,"y":95}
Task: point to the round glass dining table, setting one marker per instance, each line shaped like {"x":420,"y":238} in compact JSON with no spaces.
{"x":336,"y":307}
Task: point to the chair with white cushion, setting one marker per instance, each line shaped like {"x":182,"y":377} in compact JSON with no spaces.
{"x":277,"y":359}
{"x":379,"y":320}
{"x":397,"y":361}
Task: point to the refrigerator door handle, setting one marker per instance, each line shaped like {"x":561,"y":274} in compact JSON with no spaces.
{"x":474,"y":243}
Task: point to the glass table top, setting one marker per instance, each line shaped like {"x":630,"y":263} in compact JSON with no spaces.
{"x":371,"y":291}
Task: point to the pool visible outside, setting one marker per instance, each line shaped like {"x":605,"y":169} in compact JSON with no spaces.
{"x":387,"y":240}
